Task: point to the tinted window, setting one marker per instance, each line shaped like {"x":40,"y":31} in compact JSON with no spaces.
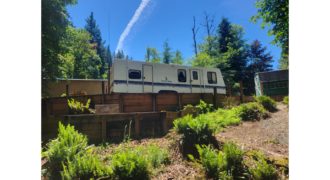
{"x":182,"y":75}
{"x":134,"y":74}
{"x":211,"y":77}
{"x":195,"y":75}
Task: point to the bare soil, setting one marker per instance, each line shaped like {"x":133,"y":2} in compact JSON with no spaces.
{"x":269,"y":136}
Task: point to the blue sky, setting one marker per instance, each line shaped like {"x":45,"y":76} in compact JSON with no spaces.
{"x":167,"y":20}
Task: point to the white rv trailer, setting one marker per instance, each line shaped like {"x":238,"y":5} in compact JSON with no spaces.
{"x":141,"y":77}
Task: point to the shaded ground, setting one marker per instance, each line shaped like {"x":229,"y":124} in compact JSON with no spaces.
{"x":269,"y":135}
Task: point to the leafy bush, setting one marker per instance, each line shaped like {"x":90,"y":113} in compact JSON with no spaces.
{"x":268,"y":103}
{"x":224,"y":117}
{"x":234,"y":158}
{"x":68,"y":144}
{"x":212,"y":161}
{"x":199,"y":130}
{"x":86,"y":166}
{"x":136,"y":162}
{"x":76,"y":107}
{"x":226,"y":164}
{"x":262,"y":170}
{"x":189,"y":109}
{"x":203,"y":107}
{"x":250,"y":111}
{"x":129,"y":165}
{"x":286,"y":100}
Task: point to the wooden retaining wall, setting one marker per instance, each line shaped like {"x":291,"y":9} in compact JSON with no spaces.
{"x":143,"y":110}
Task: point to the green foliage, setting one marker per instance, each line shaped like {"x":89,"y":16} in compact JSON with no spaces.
{"x":199,"y":130}
{"x":136,"y":162}
{"x":213,"y":162}
{"x":250,"y":111}
{"x":262,"y":170}
{"x":225,"y":117}
{"x":203,"y":107}
{"x":98,"y":43}
{"x":86,"y":166}
{"x":268,"y":103}
{"x":152,"y":55}
{"x":234,"y":158}
{"x":286,"y":100}
{"x":189,"y":109}
{"x":275,"y":14}
{"x":77,"y":107}
{"x":54,"y":20}
{"x":66,"y":147}
{"x":226,"y":164}
{"x":178,"y":58}
{"x":80,"y":59}
{"x":167,"y":55}
{"x":203,"y":60}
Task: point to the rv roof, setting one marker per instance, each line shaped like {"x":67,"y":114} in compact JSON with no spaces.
{"x":143,"y":62}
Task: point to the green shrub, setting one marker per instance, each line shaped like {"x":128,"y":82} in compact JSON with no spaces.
{"x":213,"y":162}
{"x":76,"y":107}
{"x":68,"y":144}
{"x":189,"y":109}
{"x":203,"y":107}
{"x":268,"y":103}
{"x":225,"y":164}
{"x":286,"y":100}
{"x":230,"y":102}
{"x":234,"y":159}
{"x":86,"y":166}
{"x":250,"y":111}
{"x":137,"y":161}
{"x":129,"y":165}
{"x":225,"y":117}
{"x":262,"y":170}
{"x":199,"y":130}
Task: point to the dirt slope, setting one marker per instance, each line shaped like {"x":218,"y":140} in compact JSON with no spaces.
{"x":269,"y":135}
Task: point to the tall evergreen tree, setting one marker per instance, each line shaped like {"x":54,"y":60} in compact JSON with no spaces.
{"x":167,"y":55}
{"x":120,"y":54}
{"x":258,"y":61}
{"x":232,"y":52}
{"x":178,"y":58}
{"x":94,"y":30}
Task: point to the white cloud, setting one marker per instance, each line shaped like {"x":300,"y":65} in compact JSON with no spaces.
{"x":131,"y":23}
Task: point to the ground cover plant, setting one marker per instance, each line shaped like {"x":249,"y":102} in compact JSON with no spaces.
{"x":268,"y":103}
{"x":137,"y":162}
{"x":68,"y":153}
{"x":69,"y":157}
{"x":225,"y":164}
{"x":76,"y":107}
{"x":250,"y":111}
{"x":286,"y":100}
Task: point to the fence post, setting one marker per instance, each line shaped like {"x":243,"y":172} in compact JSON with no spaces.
{"x":67,"y":90}
{"x":103,"y":92}
{"x":104,"y":130}
{"x":215,"y":99}
{"x":163,"y":118}
{"x":179,"y":101}
{"x":153,"y":96}
{"x":137,"y":119}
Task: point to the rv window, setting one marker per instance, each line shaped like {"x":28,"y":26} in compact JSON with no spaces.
{"x":195,"y":75}
{"x":182,"y":75}
{"x":211,"y":77}
{"x":134,"y":74}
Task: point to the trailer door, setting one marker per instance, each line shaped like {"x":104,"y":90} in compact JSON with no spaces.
{"x":195,"y":80}
{"x":147,"y":78}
